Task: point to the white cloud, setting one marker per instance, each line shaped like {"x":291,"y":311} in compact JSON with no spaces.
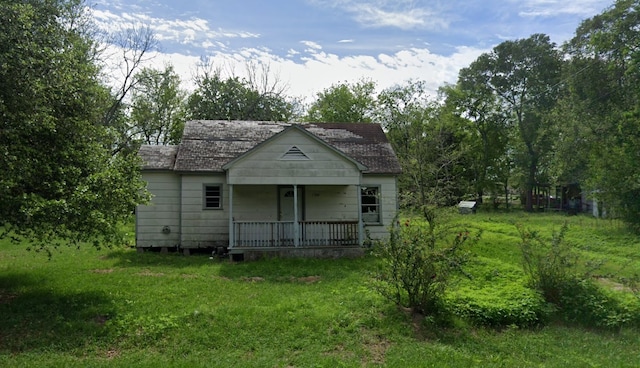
{"x":370,"y":15}
{"x":402,"y":14}
{"x":318,"y":70}
{"x":552,"y":8}
{"x":311,"y":45}
{"x":193,"y":31}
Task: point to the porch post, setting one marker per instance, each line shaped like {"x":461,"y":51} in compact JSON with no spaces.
{"x":296,"y":230}
{"x":232,"y":233}
{"x":360,"y":222}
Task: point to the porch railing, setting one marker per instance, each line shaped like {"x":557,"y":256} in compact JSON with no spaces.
{"x":266,"y":234}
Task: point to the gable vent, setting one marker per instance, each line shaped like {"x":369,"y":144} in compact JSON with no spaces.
{"x":294,"y":153}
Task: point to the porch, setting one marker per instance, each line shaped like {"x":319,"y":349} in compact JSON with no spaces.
{"x":270,"y":234}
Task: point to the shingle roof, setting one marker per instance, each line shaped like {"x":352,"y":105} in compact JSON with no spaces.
{"x":158,"y":157}
{"x":207,"y":145}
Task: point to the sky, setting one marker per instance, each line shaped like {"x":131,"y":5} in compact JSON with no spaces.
{"x":309,"y":45}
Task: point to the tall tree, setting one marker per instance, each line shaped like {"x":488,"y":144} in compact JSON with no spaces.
{"x":524,"y":76}
{"x":134,"y":43}
{"x":472,"y":100}
{"x":429,"y":143}
{"x":603,"y":108}
{"x":236,"y":98}
{"x":158,"y":106}
{"x":58,"y":180}
{"x":344,"y":103}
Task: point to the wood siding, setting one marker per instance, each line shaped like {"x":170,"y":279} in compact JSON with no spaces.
{"x":331,"y":203}
{"x":265,"y":164}
{"x":255,"y":202}
{"x":163,"y":211}
{"x":202,"y":228}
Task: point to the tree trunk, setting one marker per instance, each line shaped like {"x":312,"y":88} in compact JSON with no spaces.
{"x":529,"y":189}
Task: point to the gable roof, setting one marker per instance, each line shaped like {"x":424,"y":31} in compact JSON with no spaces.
{"x":360,"y":166}
{"x":208,"y":145}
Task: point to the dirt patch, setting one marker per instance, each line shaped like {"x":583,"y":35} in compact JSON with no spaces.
{"x":111,"y":354}
{"x":188,"y":276}
{"x":105,"y":270}
{"x":149,"y":273}
{"x":610,"y":284}
{"x":307,"y":279}
{"x":340,"y":352}
{"x":378,"y":350}
{"x":252,"y":279}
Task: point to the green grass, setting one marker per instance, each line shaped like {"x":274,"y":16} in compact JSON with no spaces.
{"x":115,"y":307}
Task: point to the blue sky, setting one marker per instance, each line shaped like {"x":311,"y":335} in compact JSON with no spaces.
{"x":311,"y":44}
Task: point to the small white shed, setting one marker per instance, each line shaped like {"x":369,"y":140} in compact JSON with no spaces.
{"x":467,"y":207}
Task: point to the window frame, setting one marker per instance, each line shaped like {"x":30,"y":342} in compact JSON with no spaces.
{"x":377,"y":205}
{"x":205,"y":197}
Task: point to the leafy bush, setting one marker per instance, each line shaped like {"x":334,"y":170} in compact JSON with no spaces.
{"x":565,"y":281}
{"x":512,"y":305}
{"x":584,"y":302}
{"x":419,"y":260}
{"x":549,"y":267}
{"x":497,"y":296}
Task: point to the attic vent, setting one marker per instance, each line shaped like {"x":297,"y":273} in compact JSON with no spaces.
{"x":294,"y":153}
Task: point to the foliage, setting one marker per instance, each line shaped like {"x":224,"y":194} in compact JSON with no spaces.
{"x":234,"y":98}
{"x":549,"y":267}
{"x":135,"y":43}
{"x":565,"y":281}
{"x":489,"y":160}
{"x":158,"y":106}
{"x":499,"y":306}
{"x":523,"y":79}
{"x":600,"y":140}
{"x":419,"y":260}
{"x":497,"y":295}
{"x":344,"y":103}
{"x":118,"y":308}
{"x":430,"y":144}
{"x":58,"y":180}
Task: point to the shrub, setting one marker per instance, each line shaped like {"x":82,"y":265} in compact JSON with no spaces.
{"x":565,"y":281}
{"x":497,"y":296}
{"x":514,"y":305}
{"x":419,"y":259}
{"x":549,"y":267}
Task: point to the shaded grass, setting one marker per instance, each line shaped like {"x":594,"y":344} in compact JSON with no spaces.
{"x":114,"y":307}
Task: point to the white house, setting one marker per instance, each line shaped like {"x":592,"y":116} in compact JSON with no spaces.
{"x":249,"y":187}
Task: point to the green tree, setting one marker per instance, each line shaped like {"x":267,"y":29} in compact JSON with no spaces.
{"x":134,"y":42}
{"x":235,"y":98}
{"x":474,"y":100}
{"x":58,"y":179}
{"x":524,"y":75}
{"x":429,"y":144}
{"x":602,"y":109}
{"x":344,"y":103}
{"x":158,"y":106}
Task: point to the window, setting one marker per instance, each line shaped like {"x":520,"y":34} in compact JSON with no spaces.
{"x":212,"y":196}
{"x":370,"y":199}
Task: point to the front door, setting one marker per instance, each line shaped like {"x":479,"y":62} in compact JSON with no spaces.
{"x":286,"y":204}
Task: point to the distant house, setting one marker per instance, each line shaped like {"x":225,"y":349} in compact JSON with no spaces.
{"x":248,"y":187}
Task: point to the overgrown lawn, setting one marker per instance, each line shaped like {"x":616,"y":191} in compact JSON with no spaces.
{"x":115,"y":307}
